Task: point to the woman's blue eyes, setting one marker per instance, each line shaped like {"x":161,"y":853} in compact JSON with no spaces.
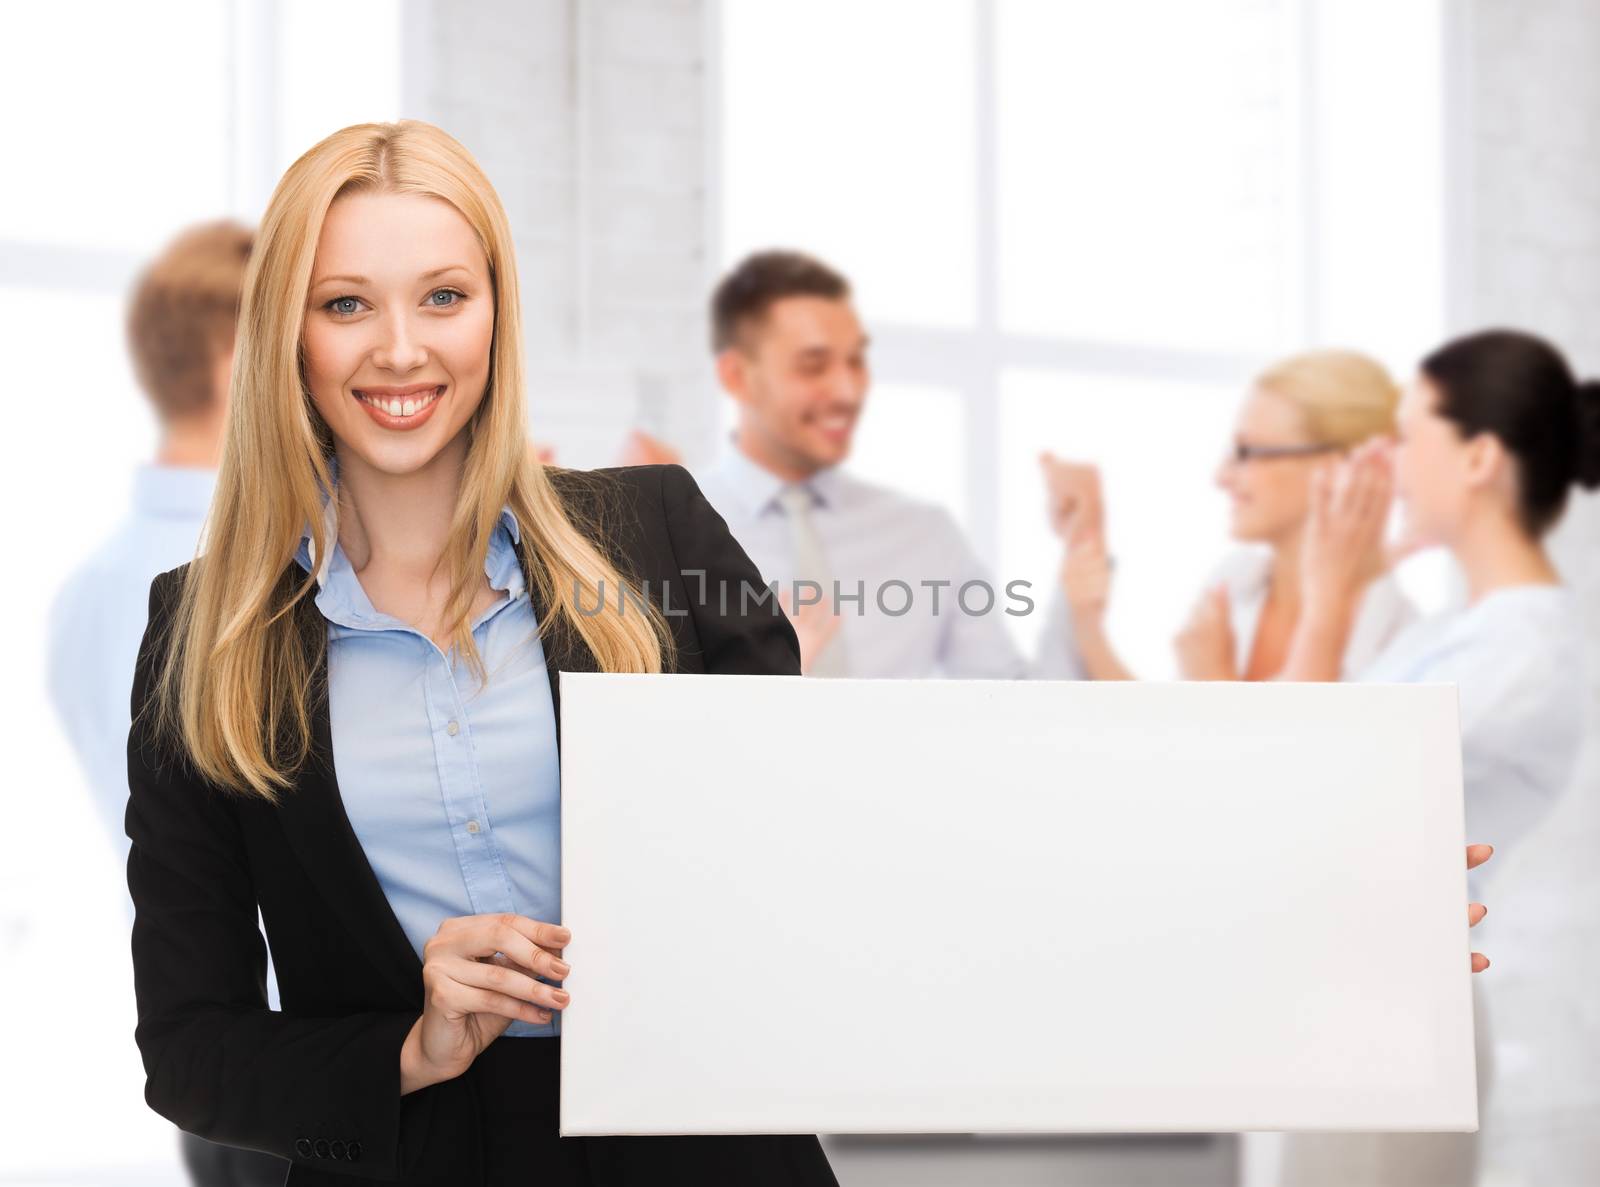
{"x":349,"y":306}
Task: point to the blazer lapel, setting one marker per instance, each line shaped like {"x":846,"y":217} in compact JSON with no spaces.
{"x":313,"y":818}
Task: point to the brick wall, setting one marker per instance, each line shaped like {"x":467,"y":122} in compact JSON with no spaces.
{"x":591,"y":121}
{"x":1529,"y":188}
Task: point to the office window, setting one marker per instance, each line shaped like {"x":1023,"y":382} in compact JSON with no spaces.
{"x":911,"y":437}
{"x":849,"y":129}
{"x":1089,"y":225}
{"x":1158,"y":442}
{"x":152,"y":153}
{"x":1144,"y":173}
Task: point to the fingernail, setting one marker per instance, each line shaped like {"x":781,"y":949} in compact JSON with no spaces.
{"x":562,"y":996}
{"x":561,"y":967}
{"x":563,"y":935}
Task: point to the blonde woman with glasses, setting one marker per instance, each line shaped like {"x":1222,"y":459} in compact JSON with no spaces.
{"x":346,"y":708}
{"x":1297,"y":415}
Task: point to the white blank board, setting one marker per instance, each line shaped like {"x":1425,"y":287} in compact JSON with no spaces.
{"x":902,"y":906}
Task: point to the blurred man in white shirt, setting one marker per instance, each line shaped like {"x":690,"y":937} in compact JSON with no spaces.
{"x":880,"y":584}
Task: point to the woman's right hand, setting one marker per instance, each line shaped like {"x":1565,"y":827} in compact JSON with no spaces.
{"x":477,"y":978}
{"x":1205,"y":645}
{"x":1343,"y":549}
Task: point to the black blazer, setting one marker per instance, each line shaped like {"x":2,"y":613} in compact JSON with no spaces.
{"x":217,"y":1061}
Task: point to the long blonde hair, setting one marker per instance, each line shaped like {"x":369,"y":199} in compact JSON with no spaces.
{"x":1344,"y":396}
{"x":235,"y":683}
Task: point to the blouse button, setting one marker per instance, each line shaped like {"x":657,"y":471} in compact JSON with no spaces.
{"x":472,"y":826}
{"x":452,"y":729}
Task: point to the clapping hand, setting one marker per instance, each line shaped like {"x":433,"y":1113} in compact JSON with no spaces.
{"x":1073,"y":503}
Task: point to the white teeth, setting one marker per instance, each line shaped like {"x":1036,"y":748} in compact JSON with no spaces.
{"x":396,"y":406}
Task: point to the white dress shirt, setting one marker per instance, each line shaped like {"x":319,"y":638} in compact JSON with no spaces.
{"x":906,"y":557}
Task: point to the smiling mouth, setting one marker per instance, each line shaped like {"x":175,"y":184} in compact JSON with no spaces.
{"x":834,"y":422}
{"x":401,"y":402}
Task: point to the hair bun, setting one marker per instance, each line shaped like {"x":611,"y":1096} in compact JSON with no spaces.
{"x":1588,"y":445}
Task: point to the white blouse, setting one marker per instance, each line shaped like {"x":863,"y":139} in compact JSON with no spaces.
{"x":1517,"y":659}
{"x":1384,"y":612}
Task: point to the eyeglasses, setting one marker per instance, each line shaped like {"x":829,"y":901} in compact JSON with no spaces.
{"x":1238,"y":453}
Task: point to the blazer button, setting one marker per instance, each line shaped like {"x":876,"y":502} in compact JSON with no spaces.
{"x":302,"y":1147}
{"x":322,"y":1147}
{"x":336,"y":1148}
{"x":353,"y":1151}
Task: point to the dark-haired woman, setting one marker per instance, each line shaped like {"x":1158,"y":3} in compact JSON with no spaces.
{"x":1493,"y":434}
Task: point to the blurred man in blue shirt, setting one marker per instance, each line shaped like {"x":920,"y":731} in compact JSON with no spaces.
{"x":181,"y":322}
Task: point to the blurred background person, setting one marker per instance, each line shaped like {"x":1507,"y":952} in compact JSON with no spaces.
{"x":1296,"y":413}
{"x":180,"y":327}
{"x":180,"y":332}
{"x":1495,"y":432}
{"x":914,"y":599}
{"x":180,"y":336}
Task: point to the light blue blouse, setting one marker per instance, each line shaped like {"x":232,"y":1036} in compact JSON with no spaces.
{"x":452,"y":787}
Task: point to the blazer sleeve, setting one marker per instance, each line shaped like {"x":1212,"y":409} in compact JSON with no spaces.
{"x":736,"y":635}
{"x":218,"y":1062}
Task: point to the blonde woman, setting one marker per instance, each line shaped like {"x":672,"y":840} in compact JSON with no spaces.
{"x":346,"y":708}
{"x":1295,"y":415}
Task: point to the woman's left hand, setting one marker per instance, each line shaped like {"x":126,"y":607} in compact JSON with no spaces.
{"x":1476,"y":856}
{"x":1073,"y":505}
{"x":1205,"y":645}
